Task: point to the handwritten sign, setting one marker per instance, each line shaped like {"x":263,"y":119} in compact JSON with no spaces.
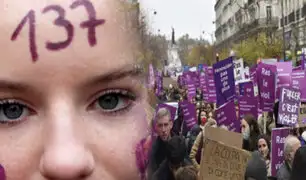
{"x":222,"y":162}
{"x":239,"y":70}
{"x":62,"y":22}
{"x":278,"y":139}
{"x":289,"y":105}
{"x":224,"y":81}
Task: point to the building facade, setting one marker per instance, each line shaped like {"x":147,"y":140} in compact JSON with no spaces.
{"x":238,"y":19}
{"x":294,"y":23}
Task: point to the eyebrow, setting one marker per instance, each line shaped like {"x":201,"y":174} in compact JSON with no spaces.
{"x":117,"y":74}
{"x":6,"y":85}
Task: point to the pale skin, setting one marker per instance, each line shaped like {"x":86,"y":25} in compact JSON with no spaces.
{"x":64,"y":132}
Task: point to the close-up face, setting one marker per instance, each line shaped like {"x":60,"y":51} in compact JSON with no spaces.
{"x":68,"y":109}
{"x":263,"y":147}
{"x":163,"y":127}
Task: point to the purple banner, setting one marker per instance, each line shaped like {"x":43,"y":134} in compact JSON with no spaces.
{"x":266,"y":84}
{"x":289,"y":104}
{"x":224,"y":81}
{"x":246,"y":89}
{"x":248,"y":105}
{"x":226,"y":115}
{"x":299,"y":82}
{"x":253,"y":74}
{"x":284,"y":70}
{"x":277,"y":148}
{"x":159,"y":83}
{"x":210,"y":95}
{"x":189,"y":114}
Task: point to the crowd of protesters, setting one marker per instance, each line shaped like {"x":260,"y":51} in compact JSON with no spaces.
{"x":176,"y":152}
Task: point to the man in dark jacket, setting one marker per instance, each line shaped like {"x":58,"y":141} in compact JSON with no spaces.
{"x":299,"y":164}
{"x":175,"y":158}
{"x":163,"y":126}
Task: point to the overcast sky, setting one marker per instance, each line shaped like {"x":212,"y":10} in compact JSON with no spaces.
{"x":186,"y":16}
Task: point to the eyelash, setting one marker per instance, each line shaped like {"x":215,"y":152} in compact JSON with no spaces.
{"x":24,"y":107}
{"x":29,"y":111}
{"x":118,"y":92}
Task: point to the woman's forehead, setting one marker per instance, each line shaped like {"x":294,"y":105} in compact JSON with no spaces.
{"x":82,"y":35}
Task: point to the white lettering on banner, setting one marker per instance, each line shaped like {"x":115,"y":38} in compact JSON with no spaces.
{"x":223,"y":68}
{"x":265,"y":95}
{"x":265,"y":83}
{"x":265,"y":72}
{"x":287,"y":118}
{"x":225,"y":89}
{"x":280,"y":140}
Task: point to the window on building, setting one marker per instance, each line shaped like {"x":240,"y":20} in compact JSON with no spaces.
{"x":298,"y":14}
{"x":269,"y":13}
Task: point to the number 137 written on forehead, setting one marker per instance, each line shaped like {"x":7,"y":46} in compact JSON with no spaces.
{"x":61,"y":22}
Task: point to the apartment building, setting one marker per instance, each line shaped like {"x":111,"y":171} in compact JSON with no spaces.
{"x":239,"y":19}
{"x":294,"y":24}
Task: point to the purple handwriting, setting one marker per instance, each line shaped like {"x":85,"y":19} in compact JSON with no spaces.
{"x":91,"y":24}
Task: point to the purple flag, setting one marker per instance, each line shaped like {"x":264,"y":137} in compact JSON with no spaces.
{"x":277,"y":140}
{"x":299,"y":82}
{"x":289,"y":104}
{"x":226,"y":115}
{"x":248,"y":105}
{"x":253,"y":74}
{"x":284,"y":70}
{"x":266,"y":84}
{"x":224,"y":81}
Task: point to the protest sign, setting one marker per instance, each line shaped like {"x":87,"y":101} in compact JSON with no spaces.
{"x":226,"y":137}
{"x":248,"y":105}
{"x":253,"y":74}
{"x":239,"y":70}
{"x":222,"y":162}
{"x":226,"y":116}
{"x":298,"y":80}
{"x":224,"y":81}
{"x":289,"y":104}
{"x":277,"y":140}
{"x":284,"y":70}
{"x":246,"y":89}
{"x":159,"y":83}
{"x":266,"y":85}
{"x":151,"y":78}
{"x":210,"y":83}
{"x":189,"y":114}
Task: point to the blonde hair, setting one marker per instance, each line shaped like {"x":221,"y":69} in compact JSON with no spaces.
{"x":186,"y":173}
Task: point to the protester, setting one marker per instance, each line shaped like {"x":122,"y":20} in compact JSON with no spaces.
{"x":202,"y":119}
{"x":256,"y":168}
{"x":175,"y":159}
{"x":291,"y":145}
{"x":186,"y":173}
{"x":194,"y":132}
{"x":250,"y":132}
{"x":72,"y":101}
{"x":299,"y":164}
{"x":264,"y":147}
{"x":195,"y":153}
{"x":163,"y":128}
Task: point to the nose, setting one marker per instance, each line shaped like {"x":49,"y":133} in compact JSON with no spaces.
{"x":65,"y":155}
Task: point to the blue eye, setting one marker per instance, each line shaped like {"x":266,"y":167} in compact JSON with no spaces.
{"x":114,"y":100}
{"x":12,"y":111}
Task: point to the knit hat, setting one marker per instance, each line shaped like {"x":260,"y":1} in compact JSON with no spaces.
{"x":256,"y":167}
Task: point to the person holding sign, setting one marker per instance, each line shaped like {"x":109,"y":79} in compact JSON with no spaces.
{"x":250,"y":132}
{"x":71,"y":106}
